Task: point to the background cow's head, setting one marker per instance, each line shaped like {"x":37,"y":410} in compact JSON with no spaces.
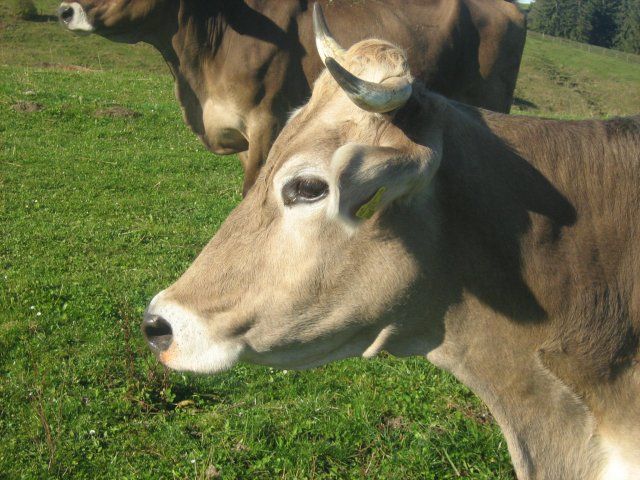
{"x":123,"y":20}
{"x":321,"y":260}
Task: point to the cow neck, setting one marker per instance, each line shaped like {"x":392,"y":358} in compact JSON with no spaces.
{"x":495,"y":328}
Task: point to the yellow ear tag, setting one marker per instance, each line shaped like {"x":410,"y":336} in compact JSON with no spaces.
{"x":367,"y":210}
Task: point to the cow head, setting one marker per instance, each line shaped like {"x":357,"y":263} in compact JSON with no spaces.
{"x":117,"y":19}
{"x":319,"y":262}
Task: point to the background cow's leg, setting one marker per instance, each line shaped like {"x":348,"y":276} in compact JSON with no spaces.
{"x":493,"y":94}
{"x":262,"y":134}
{"x":250,"y":174}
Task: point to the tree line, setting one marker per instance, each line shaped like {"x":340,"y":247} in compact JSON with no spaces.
{"x":607,"y":23}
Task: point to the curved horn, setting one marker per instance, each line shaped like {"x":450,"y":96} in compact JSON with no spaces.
{"x":372,"y":97}
{"x":325,"y":43}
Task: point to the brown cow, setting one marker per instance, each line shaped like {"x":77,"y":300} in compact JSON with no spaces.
{"x":503,"y":249}
{"x":241,"y":66}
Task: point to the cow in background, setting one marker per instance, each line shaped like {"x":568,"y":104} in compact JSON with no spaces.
{"x":241,"y":66}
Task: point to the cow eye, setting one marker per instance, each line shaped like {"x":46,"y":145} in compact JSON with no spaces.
{"x":304,"y":190}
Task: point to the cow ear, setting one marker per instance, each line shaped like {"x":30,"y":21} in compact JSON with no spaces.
{"x":369,"y":177}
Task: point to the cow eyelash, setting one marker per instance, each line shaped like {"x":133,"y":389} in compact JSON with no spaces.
{"x":304,"y":190}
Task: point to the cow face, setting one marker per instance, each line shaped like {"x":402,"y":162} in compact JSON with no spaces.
{"x":314,"y":265}
{"x":117,"y":19}
{"x":317,"y":263}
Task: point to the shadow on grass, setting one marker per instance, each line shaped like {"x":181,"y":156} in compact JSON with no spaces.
{"x":523,"y":104}
{"x":41,"y":18}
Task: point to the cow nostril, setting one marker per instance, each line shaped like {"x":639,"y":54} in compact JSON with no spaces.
{"x":158,"y":332}
{"x":65,"y":13}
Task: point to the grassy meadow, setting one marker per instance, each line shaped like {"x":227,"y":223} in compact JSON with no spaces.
{"x":105,"y":199}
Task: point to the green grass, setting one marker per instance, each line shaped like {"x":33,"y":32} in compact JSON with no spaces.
{"x":558,"y":80}
{"x":98,"y":214}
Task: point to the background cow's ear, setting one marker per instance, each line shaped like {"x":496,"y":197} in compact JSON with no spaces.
{"x":370,"y":177}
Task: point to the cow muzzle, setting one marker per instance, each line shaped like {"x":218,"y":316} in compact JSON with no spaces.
{"x":158,"y":333}
{"x":73,"y":16}
{"x":182,"y":340}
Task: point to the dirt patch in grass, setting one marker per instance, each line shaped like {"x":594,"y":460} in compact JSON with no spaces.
{"x":27,"y":107}
{"x":240,"y":447}
{"x":480,"y":414}
{"x":212,"y":472}
{"x":483,"y":417}
{"x":116,"y":112}
{"x":66,"y":68}
{"x":393,"y":423}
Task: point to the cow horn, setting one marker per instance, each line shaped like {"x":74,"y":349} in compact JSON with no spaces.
{"x":370,"y":96}
{"x":325,"y":43}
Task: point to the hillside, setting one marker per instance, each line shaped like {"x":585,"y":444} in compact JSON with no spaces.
{"x":558,"y":79}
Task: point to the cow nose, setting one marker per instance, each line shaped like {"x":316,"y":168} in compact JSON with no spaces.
{"x":65,"y":13}
{"x":157,"y":331}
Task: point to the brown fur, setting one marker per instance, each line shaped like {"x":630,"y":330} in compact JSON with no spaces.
{"x":507,"y":250}
{"x":257,"y":59}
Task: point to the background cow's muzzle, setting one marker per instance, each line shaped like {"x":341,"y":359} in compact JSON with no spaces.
{"x":73,"y":16}
{"x":65,"y":13}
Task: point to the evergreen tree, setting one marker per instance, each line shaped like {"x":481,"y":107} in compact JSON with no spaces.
{"x":562,"y":18}
{"x":603,"y":15}
{"x":628,"y":20}
{"x":606,"y":23}
{"x":583,"y":25}
{"x":539,"y":18}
